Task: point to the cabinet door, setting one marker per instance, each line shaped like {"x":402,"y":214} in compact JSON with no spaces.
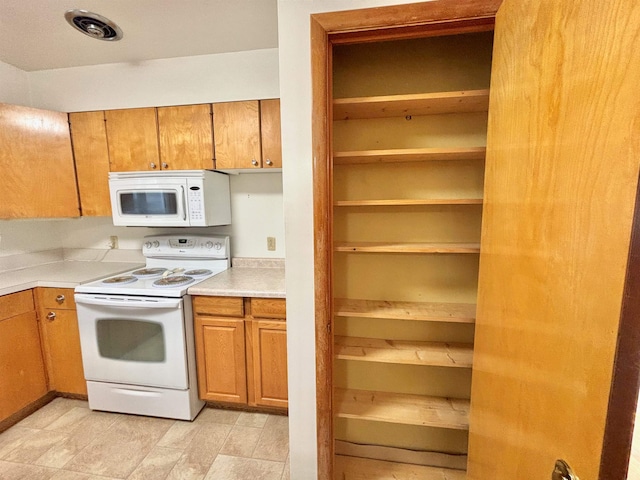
{"x":61,"y":340}
{"x":132,"y":135}
{"x":22,"y":374}
{"x":186,"y":137}
{"x":236,"y":127}
{"x":91,"y":155}
{"x":269,"y":351}
{"x":270,"y":133}
{"x":222,"y":374}
{"x":37,"y":177}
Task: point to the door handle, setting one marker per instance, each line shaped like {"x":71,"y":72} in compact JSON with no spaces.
{"x":562,"y":471}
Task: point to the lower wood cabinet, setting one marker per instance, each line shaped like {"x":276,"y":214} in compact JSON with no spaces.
{"x":22,"y":372}
{"x":61,"y":340}
{"x":241,"y":350}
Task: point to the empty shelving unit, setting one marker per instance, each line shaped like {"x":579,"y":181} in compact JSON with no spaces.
{"x":409,"y":137}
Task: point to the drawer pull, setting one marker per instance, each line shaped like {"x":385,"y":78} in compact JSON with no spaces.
{"x":51,"y":316}
{"x":60,"y":299}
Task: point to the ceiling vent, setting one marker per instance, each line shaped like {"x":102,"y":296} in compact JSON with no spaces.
{"x":94,"y":25}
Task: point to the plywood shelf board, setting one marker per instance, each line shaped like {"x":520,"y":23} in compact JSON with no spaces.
{"x":416,"y":311}
{"x":408,"y":155}
{"x":437,"y":354}
{"x":401,"y":408}
{"x":413,"y":104}
{"x":355,"y":468}
{"x":427,"y":458}
{"x":397,"y":247}
{"x":408,"y":202}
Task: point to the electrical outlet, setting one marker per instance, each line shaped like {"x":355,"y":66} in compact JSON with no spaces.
{"x":271,"y":244}
{"x":113,"y":241}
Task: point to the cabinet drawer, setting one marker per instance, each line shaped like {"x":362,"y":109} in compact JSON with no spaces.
{"x":226,"y":306}
{"x":16,"y":304}
{"x":58,"y":298}
{"x":268,"y":307}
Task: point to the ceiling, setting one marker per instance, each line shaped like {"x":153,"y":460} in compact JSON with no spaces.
{"x":34,"y":34}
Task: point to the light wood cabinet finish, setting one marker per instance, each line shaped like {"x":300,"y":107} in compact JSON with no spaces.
{"x":36,"y":161}
{"x":269,"y":359}
{"x":91,"y":153}
{"x":270,"y":133}
{"x":236,"y":127}
{"x":241,"y":356}
{"x":220,"y":353}
{"x":132,"y":135}
{"x":22,"y":373}
{"x":61,"y":340}
{"x":186,"y":137}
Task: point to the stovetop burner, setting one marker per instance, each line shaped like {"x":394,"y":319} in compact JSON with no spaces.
{"x":173,"y":281}
{"x":200,"y":272}
{"x":148,"y":272}
{"x":121,"y":280}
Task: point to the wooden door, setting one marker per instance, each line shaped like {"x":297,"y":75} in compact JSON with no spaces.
{"x":269,"y":347}
{"x":37,"y":177}
{"x":222,"y":374}
{"x":270,"y":133}
{"x":22,"y":374}
{"x":133,"y":139}
{"x":561,"y":177}
{"x":236,"y":130}
{"x":186,"y":137}
{"x":91,"y":154}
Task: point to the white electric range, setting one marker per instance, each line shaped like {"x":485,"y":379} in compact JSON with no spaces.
{"x":136,"y":328}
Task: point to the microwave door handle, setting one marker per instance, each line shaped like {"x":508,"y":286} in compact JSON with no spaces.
{"x":184,"y":205}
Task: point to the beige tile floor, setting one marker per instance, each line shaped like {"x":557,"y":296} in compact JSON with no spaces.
{"x":65,"y":440}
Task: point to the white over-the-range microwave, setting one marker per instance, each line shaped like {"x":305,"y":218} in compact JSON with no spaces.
{"x":170,"y":198}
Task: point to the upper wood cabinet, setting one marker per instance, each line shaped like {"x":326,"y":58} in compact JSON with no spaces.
{"x":132,"y":136}
{"x":186,"y":137}
{"x":91,"y":154}
{"x":247,"y":134}
{"x":36,"y":162}
{"x":270,"y":133}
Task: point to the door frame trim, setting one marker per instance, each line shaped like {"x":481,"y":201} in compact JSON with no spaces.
{"x":443,"y":17}
{"x":625,"y":383}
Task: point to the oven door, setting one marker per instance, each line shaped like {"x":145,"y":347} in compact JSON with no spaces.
{"x":149,"y":202}
{"x":133,"y":340}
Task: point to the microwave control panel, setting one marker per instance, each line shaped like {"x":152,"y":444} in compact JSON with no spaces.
{"x":196,"y":201}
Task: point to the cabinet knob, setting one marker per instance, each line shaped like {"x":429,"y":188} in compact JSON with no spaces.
{"x":152,"y":165}
{"x":51,"y":316}
{"x":269,"y":162}
{"x":254,"y":162}
{"x":165,"y":165}
{"x":60,"y":299}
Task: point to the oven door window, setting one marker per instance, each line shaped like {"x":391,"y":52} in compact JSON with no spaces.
{"x":131,"y":340}
{"x":149,"y":202}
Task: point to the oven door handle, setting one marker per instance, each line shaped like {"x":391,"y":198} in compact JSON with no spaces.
{"x":128,"y":302}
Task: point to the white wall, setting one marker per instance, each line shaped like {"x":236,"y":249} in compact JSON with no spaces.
{"x":257,"y":210}
{"x":14,"y":85}
{"x":295,"y":94}
{"x":172,"y":81}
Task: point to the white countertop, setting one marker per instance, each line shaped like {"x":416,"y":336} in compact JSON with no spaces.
{"x":243,"y":282}
{"x":62,"y":274}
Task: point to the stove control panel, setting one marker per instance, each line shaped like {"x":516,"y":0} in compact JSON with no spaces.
{"x":186,"y":246}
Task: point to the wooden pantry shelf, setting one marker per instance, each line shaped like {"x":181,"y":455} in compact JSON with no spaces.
{"x":415,"y":311}
{"x":402,"y":408}
{"x":392,"y":247}
{"x":408,"y":155}
{"x":407,"y":202}
{"x":377,"y":350}
{"x":464,"y":101}
{"x":355,"y":468}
